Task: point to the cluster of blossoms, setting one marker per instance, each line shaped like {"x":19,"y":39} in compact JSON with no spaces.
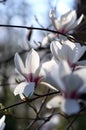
{"x":65,"y":71}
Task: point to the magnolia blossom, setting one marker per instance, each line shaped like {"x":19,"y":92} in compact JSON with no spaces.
{"x":30,"y":72}
{"x":66,"y":22}
{"x":63,"y":24}
{"x":69,"y":51}
{"x":71,"y":86}
{"x":2,"y":123}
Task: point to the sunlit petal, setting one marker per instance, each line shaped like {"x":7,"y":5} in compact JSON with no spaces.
{"x":20,"y":88}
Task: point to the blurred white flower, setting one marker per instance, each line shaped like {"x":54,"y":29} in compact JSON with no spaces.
{"x":69,"y":51}
{"x":71,"y":86}
{"x":54,"y":121}
{"x":63,"y":24}
{"x":30,"y":72}
{"x":2,"y":122}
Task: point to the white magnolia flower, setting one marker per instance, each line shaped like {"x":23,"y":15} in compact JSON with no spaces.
{"x":54,"y":121}
{"x":2,"y":122}
{"x":30,"y":72}
{"x":66,"y":22}
{"x":63,"y":24}
{"x":71,"y":86}
{"x":69,"y":51}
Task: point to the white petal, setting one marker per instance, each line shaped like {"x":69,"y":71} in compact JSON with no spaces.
{"x":2,"y":122}
{"x":19,"y":64}
{"x":55,"y":46}
{"x":22,"y":96}
{"x":24,"y":88}
{"x":63,"y":71}
{"x":47,"y":39}
{"x":82,"y":89}
{"x":64,"y":68}
{"x":81,"y":63}
{"x":29,"y":89}
{"x":80,"y":50}
{"x":82,"y":74}
{"x":49,"y":86}
{"x":20,"y":88}
{"x":55,"y":102}
{"x":63,"y":52}
{"x":68,"y":51}
{"x":66,"y":21}
{"x":70,"y":106}
{"x":80,"y":19}
{"x":49,"y":71}
{"x":32,"y":61}
{"x":70,"y":19}
{"x":72,"y":83}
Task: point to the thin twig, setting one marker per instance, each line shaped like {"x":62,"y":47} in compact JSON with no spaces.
{"x":30,"y":100}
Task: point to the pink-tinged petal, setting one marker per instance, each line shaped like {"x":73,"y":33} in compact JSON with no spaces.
{"x":19,"y":64}
{"x":72,"y":84}
{"x":70,"y":106}
{"x":32,"y":61}
{"x":47,"y":39}
{"x":55,"y":102}
{"x":2,"y":123}
{"x":24,"y":89}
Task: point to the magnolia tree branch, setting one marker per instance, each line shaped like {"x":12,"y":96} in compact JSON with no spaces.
{"x":42,"y":29}
{"x":29,"y":100}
